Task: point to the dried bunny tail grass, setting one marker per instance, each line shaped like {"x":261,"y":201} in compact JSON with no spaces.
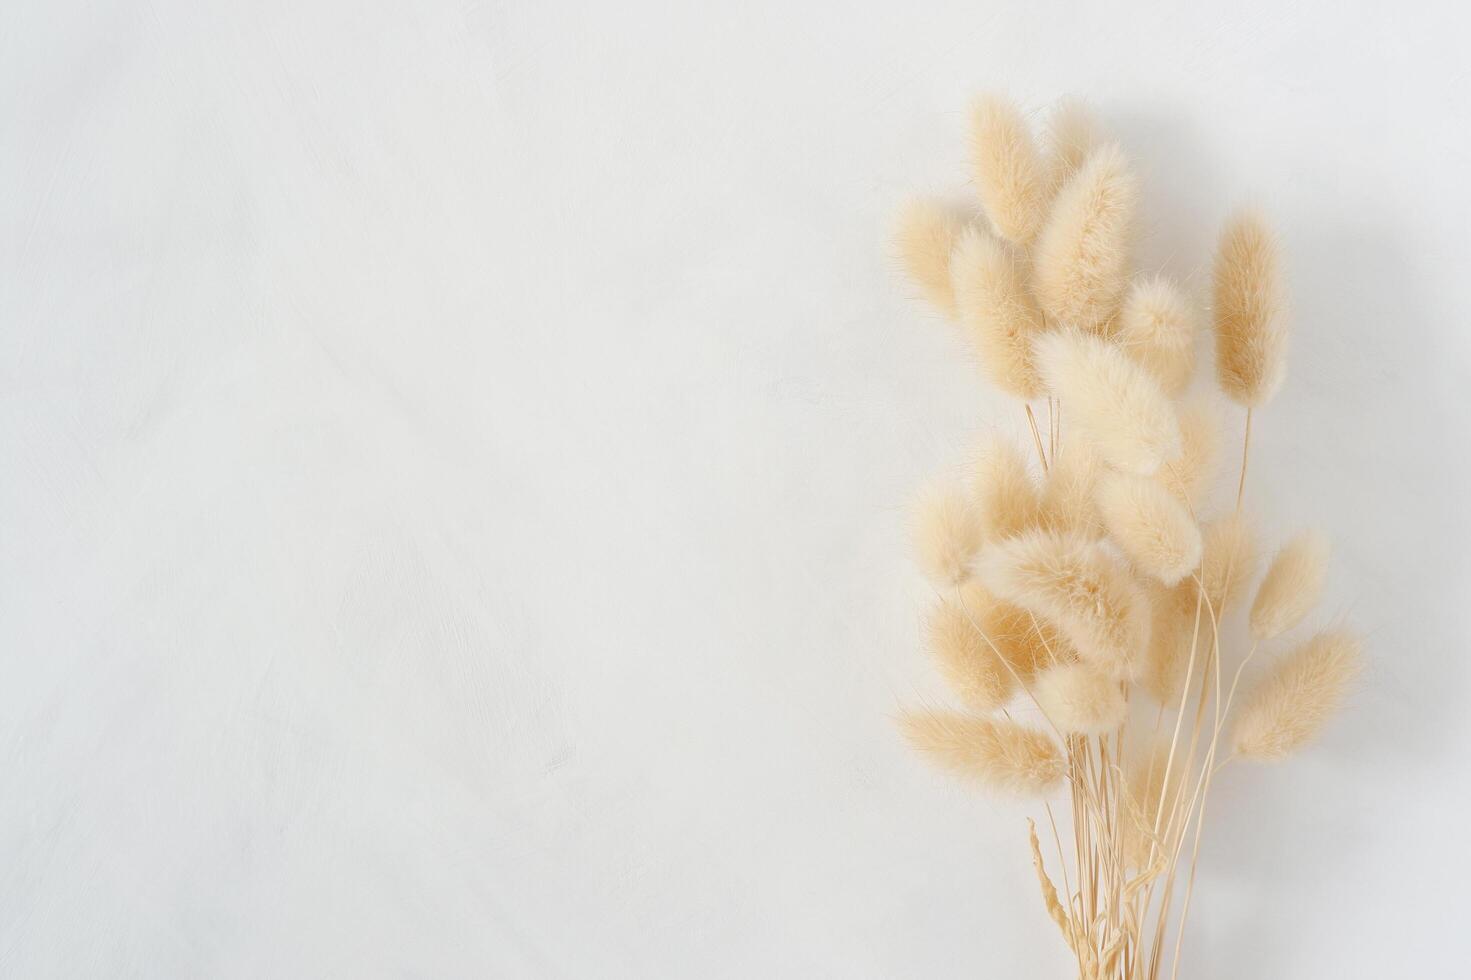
{"x":1115,"y":405}
{"x":996,"y":308}
{"x":1072,"y":133}
{"x":1291,"y":586}
{"x":1145,"y":791}
{"x":1290,"y":706}
{"x":1067,"y":493}
{"x":1228,"y":561}
{"x":1150,"y":525}
{"x":1079,"y":700}
{"x":1157,"y":329}
{"x":998,"y":752}
{"x":964,"y":653}
{"x":925,"y":237}
{"x":1006,"y":497}
{"x":1172,"y":631}
{"x":1008,"y":169}
{"x":1191,"y":475}
{"x":1251,"y":337}
{"x":1077,"y":586}
{"x":948,"y":533}
{"x":1025,"y":643}
{"x":1082,"y":253}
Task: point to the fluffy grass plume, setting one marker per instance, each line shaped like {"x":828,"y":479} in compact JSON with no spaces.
{"x":1190,"y":475}
{"x":1079,"y":587}
{"x":965,"y":654}
{"x":1157,"y":329}
{"x":1251,"y":337}
{"x":1008,"y":170}
{"x":1082,"y":253}
{"x":1006,"y":498}
{"x":1112,"y":402}
{"x":1079,"y":700}
{"x":925,"y":236}
{"x":947,"y":534}
{"x":1151,"y":526}
{"x":1072,"y":134}
{"x":995,"y":751}
{"x":1227,"y":563}
{"x":990,"y":296}
{"x":1068,"y":492}
{"x":1291,"y":586}
{"x":1171,"y":633}
{"x":1293,"y":702}
{"x":1026,"y":643}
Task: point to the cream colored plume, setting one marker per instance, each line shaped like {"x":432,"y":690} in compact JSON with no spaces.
{"x":1082,"y":253}
{"x":1172,"y":633}
{"x":1008,"y":169}
{"x":1228,"y":561}
{"x":1006,"y":498}
{"x":1068,"y":490}
{"x":948,"y":533}
{"x":1291,"y":705}
{"x":1151,"y":526}
{"x":1251,"y":332}
{"x":1157,"y":329}
{"x":1079,"y":587}
{"x":1079,"y":700}
{"x":925,"y":236}
{"x":1024,"y":642}
{"x":996,"y":308}
{"x":1109,"y":400}
{"x":1190,"y":476}
{"x":1291,"y":587}
{"x":967,"y":659}
{"x":997,"y":752}
{"x":1072,"y":134}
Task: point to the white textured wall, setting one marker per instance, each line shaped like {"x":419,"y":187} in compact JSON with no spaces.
{"x":455,"y":458}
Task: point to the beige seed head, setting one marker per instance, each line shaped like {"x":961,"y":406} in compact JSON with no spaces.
{"x":1151,"y":526}
{"x":997,"y":752}
{"x":1250,"y":317}
{"x":1082,"y":253}
{"x":1008,"y":169}
{"x":1109,"y":400}
{"x":1072,"y":134}
{"x":1190,"y":476}
{"x":948,"y":533}
{"x":1172,"y":632}
{"x":925,"y":237}
{"x":1291,"y":705}
{"x":1157,"y":329}
{"x":1024,"y":642}
{"x":1077,"y":586}
{"x":1079,"y":700}
{"x":1006,"y":498}
{"x":1291,"y":586}
{"x":1068,"y":492}
{"x":997,"y":311}
{"x":1228,"y":561}
{"x":964,"y":653}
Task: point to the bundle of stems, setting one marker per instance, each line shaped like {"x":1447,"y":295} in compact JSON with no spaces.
{"x":1085,"y":579}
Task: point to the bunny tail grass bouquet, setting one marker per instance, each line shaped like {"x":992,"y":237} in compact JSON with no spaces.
{"x":1086,"y":586}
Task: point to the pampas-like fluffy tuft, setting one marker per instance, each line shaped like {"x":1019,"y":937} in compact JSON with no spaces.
{"x":1251,"y":337}
{"x":1290,"y":706}
{"x":1291,"y":586}
{"x":1150,"y":525}
{"x":1171,"y":634}
{"x":948,"y":533}
{"x":1006,"y":497}
{"x":991,"y":298}
{"x":1072,"y":133}
{"x":995,"y":751}
{"x":1189,"y":477}
{"x":1157,"y":329}
{"x":1067,"y":493}
{"x":968,"y":662}
{"x":1079,"y":587}
{"x":1110,"y":400}
{"x":1227,"y":563}
{"x":1023,"y":641}
{"x":925,"y":236}
{"x":1079,"y":700}
{"x":1008,"y":169}
{"x":1082,"y":253}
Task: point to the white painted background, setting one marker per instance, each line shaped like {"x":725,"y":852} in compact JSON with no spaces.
{"x":456,"y":456}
